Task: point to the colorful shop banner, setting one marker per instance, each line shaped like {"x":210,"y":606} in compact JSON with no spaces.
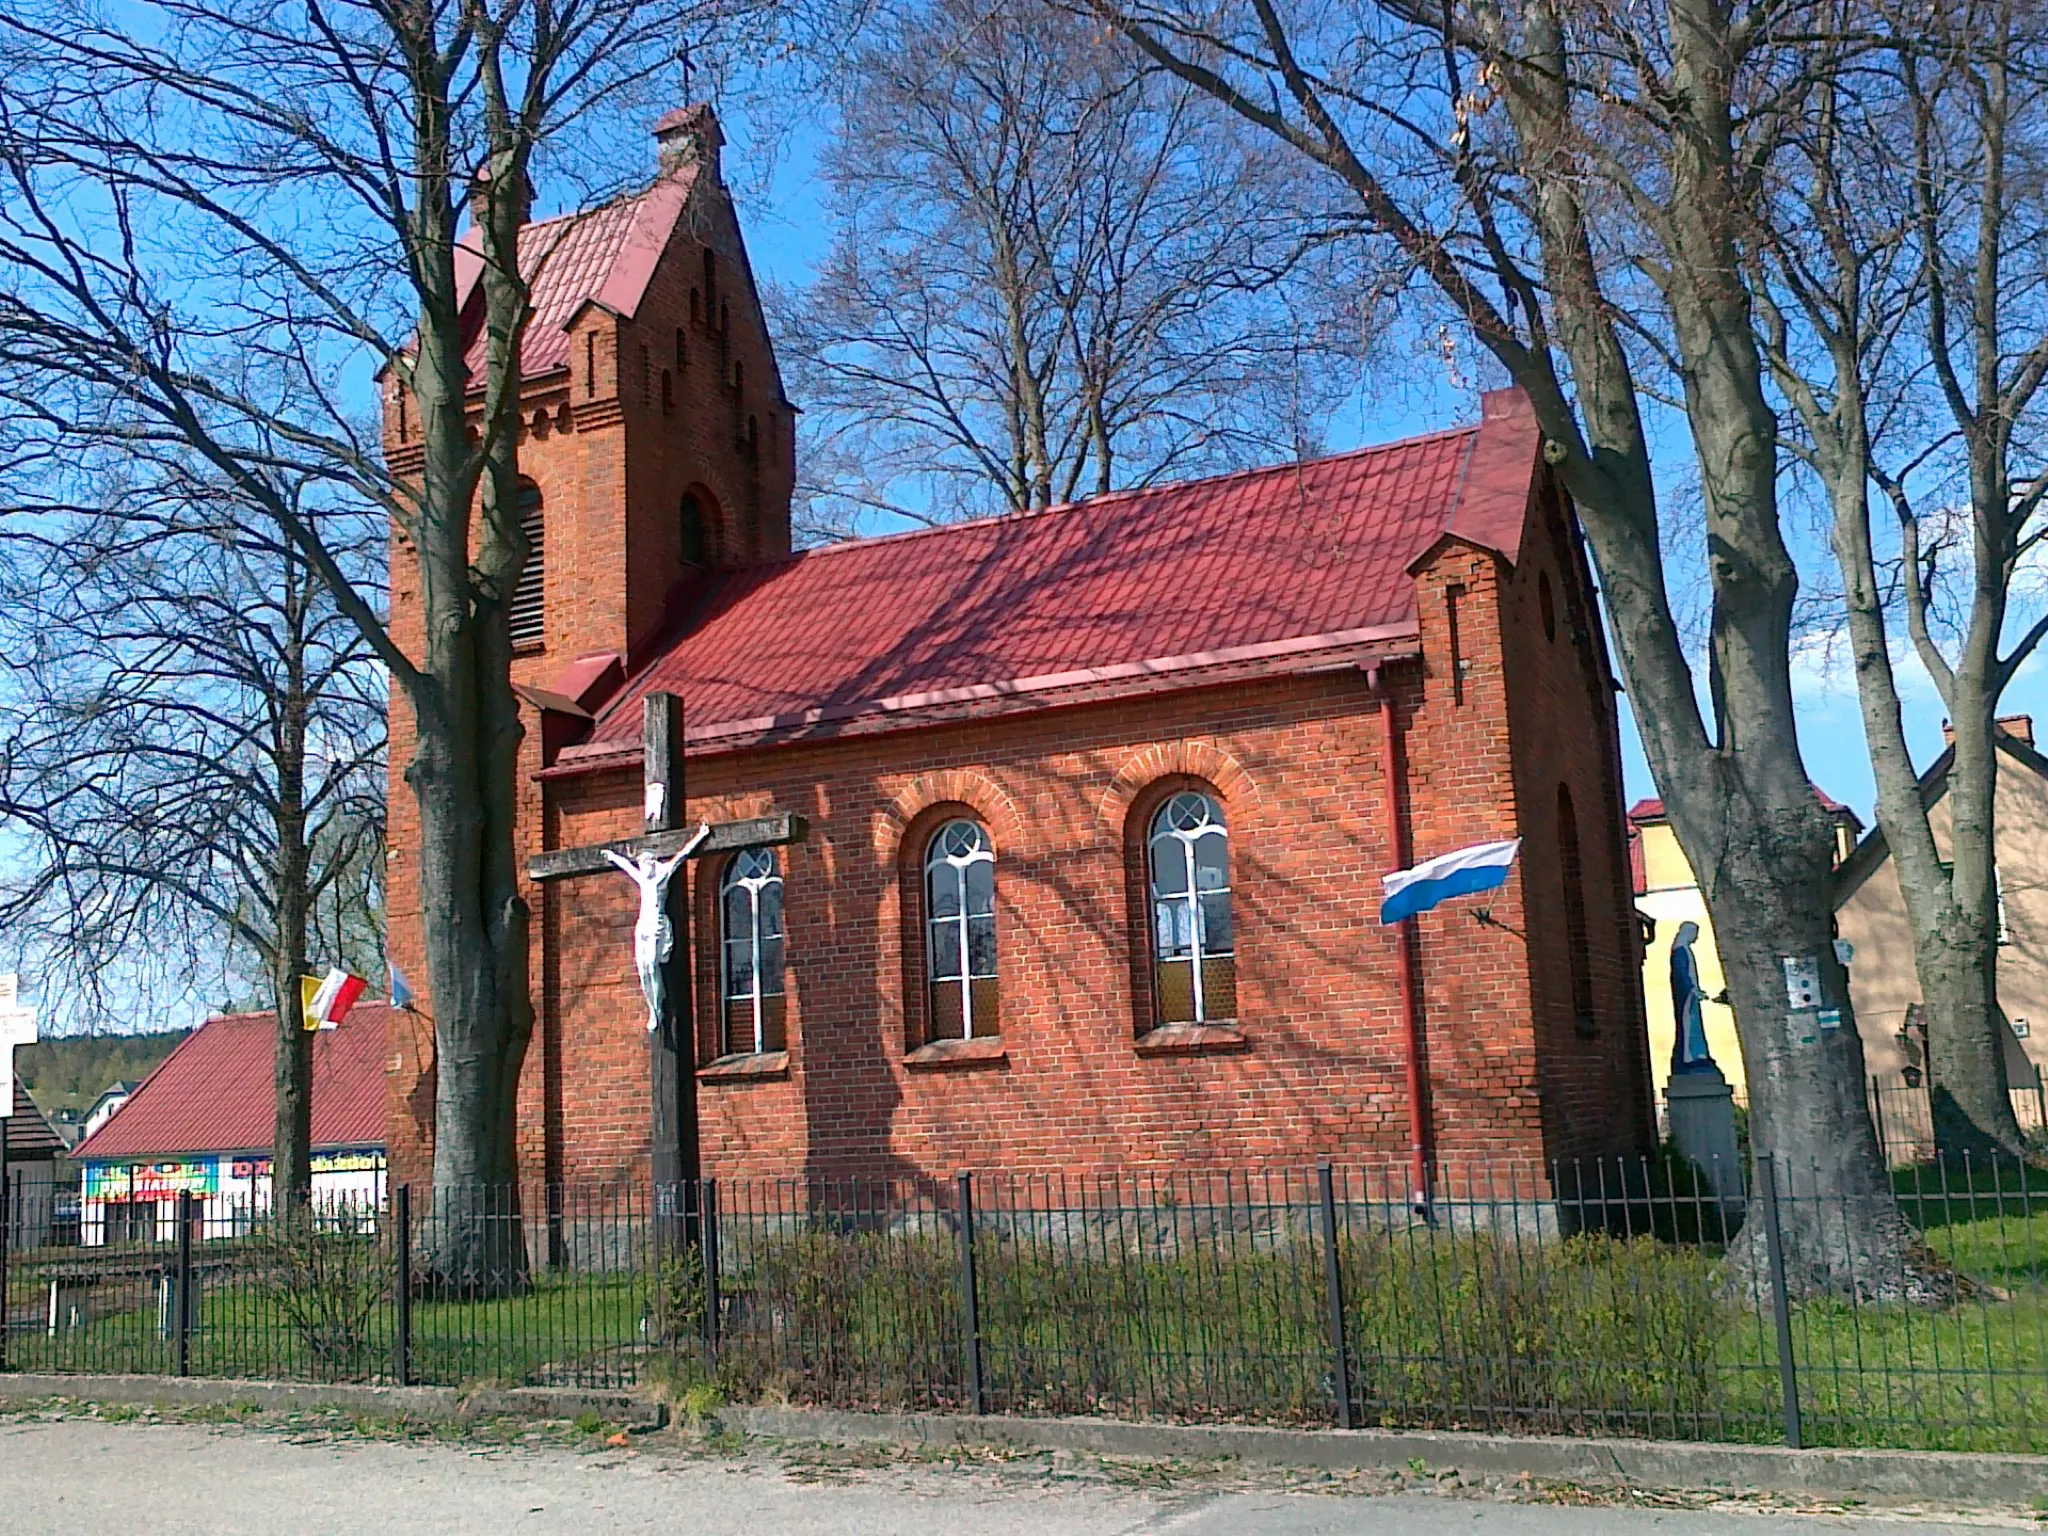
{"x":152,"y":1181}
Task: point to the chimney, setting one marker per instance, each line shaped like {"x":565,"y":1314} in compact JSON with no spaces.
{"x":689,"y":136}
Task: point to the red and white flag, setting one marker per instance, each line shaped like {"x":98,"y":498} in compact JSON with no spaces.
{"x":327,"y":999}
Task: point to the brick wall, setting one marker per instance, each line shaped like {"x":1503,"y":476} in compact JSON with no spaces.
{"x":1561,"y":712}
{"x":1296,"y":764}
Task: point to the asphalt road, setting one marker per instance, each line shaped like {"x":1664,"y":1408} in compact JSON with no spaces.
{"x":184,"y":1480}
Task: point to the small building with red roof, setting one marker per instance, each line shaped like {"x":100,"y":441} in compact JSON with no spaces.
{"x":1099,"y":797}
{"x":202,"y":1124}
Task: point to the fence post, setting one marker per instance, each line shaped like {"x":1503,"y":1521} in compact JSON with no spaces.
{"x":401,"y":1288}
{"x":1781,"y":1309}
{"x":1333,"y":1284}
{"x":6,"y":1234}
{"x":1877,"y":1116}
{"x":710,"y":1259}
{"x":2040,"y":1097}
{"x":970,"y":1305}
{"x":181,"y":1300}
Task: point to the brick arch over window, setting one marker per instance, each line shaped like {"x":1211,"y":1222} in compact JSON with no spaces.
{"x":700,"y":522}
{"x":1183,"y":759}
{"x":982,"y":795}
{"x":909,"y":860}
{"x":1136,"y":833}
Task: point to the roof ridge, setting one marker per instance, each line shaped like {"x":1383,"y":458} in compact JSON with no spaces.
{"x":617,"y":199}
{"x":1088,"y":503}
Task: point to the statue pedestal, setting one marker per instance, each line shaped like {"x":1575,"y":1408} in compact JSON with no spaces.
{"x":1702,"y":1110}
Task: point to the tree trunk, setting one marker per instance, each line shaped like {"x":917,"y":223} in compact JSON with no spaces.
{"x":291,"y":1156}
{"x":1956,"y":956}
{"x":464,"y":772}
{"x":483,"y":1017}
{"x":1842,"y":1229}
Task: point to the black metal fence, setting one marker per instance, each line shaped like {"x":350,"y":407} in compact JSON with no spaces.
{"x":1613,"y":1299}
{"x":1903,"y":1113}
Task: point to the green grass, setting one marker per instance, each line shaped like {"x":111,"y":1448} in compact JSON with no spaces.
{"x":570,"y":1330}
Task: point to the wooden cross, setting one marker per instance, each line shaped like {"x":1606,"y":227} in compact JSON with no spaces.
{"x":672,"y":1063}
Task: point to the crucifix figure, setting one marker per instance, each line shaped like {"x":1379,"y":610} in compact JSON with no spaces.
{"x":654,"y":936}
{"x":661,"y":940}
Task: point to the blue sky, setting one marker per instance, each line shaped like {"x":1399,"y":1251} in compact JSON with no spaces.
{"x":788,"y":228}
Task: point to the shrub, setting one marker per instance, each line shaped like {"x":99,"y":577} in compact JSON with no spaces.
{"x":329,"y":1287}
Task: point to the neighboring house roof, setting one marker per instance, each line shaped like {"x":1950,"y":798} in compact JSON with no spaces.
{"x":1294,"y":561}
{"x":1874,"y":850}
{"x":29,"y":1137}
{"x":1653,"y":810}
{"x":214,"y":1092}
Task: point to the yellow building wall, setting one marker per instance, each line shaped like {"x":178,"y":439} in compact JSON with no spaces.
{"x":1672,"y":897}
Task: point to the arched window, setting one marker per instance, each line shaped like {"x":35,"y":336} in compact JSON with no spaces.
{"x":529,"y":619}
{"x":1194,"y":958}
{"x":750,"y":918}
{"x":960,"y":929}
{"x":693,"y":530}
{"x":1578,"y":939}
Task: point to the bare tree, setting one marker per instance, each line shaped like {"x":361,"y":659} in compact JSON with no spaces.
{"x":1901,"y":296}
{"x":1051,"y":277}
{"x":195,"y":747}
{"x":1567,"y":180}
{"x":222,"y":216}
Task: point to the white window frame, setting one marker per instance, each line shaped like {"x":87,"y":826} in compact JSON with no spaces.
{"x":954,"y":865}
{"x":753,"y":884}
{"x":1161,"y":829}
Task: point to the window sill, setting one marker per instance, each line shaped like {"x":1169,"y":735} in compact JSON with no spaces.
{"x":762,"y":1064}
{"x":529,"y":647}
{"x":1192,"y":1040}
{"x":958,"y":1053}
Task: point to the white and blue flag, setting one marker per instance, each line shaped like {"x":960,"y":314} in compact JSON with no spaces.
{"x":401,"y":993}
{"x":1463,"y":873}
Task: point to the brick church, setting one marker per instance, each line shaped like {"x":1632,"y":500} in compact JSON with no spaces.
{"x":1098,"y":798}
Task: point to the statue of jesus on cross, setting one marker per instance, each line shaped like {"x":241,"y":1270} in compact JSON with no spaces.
{"x":661,"y":942}
{"x":654,"y":936}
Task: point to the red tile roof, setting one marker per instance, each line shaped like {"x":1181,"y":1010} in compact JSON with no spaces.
{"x":1267,"y":562}
{"x":605,"y":256}
{"x":213,"y":1093}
